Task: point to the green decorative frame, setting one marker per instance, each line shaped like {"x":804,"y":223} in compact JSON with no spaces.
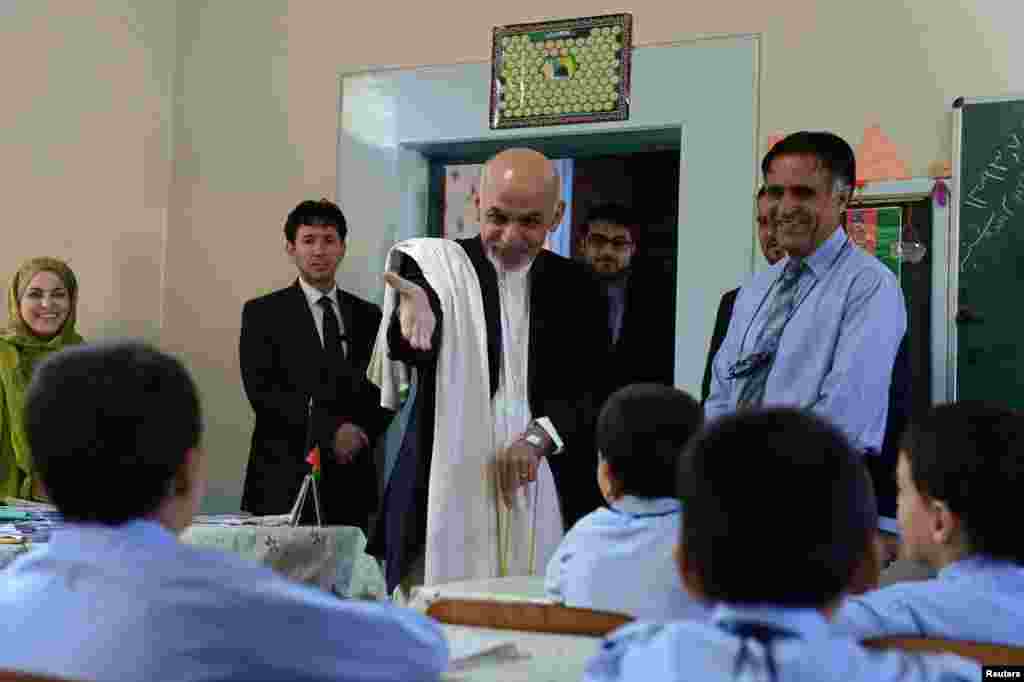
{"x":561,"y":72}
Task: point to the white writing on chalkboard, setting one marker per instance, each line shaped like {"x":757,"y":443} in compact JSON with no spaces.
{"x":997,"y":194}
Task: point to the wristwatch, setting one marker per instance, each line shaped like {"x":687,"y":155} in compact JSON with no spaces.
{"x":536,"y":439}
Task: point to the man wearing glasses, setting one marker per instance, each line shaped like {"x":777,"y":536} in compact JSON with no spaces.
{"x":640,"y":312}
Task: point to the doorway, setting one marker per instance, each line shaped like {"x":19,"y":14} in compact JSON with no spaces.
{"x":645,"y":183}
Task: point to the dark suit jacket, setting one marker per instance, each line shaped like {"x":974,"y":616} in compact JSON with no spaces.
{"x":645,"y":350}
{"x":568,"y":346}
{"x":283,"y":366}
{"x":722,"y":319}
{"x":882,"y":465}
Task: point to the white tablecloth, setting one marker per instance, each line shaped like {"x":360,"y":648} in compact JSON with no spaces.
{"x":332,"y":558}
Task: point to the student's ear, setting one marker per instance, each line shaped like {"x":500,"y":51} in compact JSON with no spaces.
{"x":945,"y":524}
{"x":867,"y":573}
{"x":688,"y":572}
{"x":188,"y":479}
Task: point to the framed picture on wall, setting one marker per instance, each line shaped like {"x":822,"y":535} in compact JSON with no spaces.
{"x":560,"y":72}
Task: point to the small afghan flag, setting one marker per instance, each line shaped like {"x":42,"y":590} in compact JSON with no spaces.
{"x":313,"y":459}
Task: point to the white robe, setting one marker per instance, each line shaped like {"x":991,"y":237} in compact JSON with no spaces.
{"x":471,"y":534}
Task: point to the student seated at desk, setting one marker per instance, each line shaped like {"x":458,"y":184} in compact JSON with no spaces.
{"x":741,"y":482}
{"x":960,"y":469}
{"x":621,"y":559}
{"x":114,"y":431}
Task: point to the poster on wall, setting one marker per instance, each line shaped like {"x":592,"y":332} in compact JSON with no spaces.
{"x":461,"y":186}
{"x":879,"y":232}
{"x":560,"y":72}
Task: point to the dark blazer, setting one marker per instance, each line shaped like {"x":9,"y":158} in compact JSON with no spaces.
{"x":568,"y":346}
{"x":882,"y":465}
{"x":645,"y":349}
{"x":283,"y":366}
{"x":722,"y":319}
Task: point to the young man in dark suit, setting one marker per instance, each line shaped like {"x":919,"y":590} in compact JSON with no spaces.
{"x":641,"y":319}
{"x":304,"y":352}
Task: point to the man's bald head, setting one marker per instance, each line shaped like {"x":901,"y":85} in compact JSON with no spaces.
{"x":519,"y":204}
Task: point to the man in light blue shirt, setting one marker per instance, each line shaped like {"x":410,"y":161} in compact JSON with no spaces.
{"x":820,"y":329}
{"x":114,"y":431}
{"x":737,"y":479}
{"x":959,"y":467}
{"x":620,"y":559}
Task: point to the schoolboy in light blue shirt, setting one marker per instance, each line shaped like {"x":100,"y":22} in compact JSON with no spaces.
{"x":775,"y":591}
{"x":620,"y":559}
{"x":114,"y":432}
{"x":960,"y":466}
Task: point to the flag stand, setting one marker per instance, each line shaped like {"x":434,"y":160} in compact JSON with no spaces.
{"x":308,"y":483}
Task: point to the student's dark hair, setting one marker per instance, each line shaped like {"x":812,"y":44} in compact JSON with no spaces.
{"x":616,"y":214}
{"x":641,"y":431}
{"x":968,"y":455}
{"x":760,"y":192}
{"x":832,"y":151}
{"x":315,"y":213}
{"x":778,"y":509}
{"x":108,"y":426}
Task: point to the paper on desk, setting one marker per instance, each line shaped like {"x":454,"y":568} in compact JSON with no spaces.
{"x":11,"y":533}
{"x":468,"y":647}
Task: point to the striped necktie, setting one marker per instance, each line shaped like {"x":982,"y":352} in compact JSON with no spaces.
{"x":752,"y":391}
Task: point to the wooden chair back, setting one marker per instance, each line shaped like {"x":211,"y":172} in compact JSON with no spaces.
{"x":15,"y":676}
{"x":526,"y":616}
{"x":986,"y":654}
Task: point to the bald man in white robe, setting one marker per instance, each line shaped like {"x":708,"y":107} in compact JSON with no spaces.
{"x":508,"y":341}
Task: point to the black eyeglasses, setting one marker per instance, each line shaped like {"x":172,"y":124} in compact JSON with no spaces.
{"x":599,"y":241}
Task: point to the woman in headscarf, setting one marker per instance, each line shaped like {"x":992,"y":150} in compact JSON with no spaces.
{"x":41,"y":305}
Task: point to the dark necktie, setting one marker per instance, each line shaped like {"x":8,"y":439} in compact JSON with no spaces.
{"x":779,"y":311}
{"x":332,"y":331}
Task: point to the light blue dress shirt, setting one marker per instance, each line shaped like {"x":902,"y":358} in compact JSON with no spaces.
{"x":836,"y":353}
{"x":976,"y":599}
{"x":621,"y":560}
{"x":806,"y":650}
{"x":132,"y":603}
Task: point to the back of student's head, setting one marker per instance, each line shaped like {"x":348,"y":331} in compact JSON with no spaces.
{"x":109,"y":425}
{"x":641,"y":431}
{"x":968,"y":456}
{"x":778,"y":510}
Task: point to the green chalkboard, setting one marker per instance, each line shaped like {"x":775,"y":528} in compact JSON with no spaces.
{"x":990,"y":321}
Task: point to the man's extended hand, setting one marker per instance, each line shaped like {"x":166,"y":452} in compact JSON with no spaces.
{"x":349,"y":439}
{"x":414,"y":314}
